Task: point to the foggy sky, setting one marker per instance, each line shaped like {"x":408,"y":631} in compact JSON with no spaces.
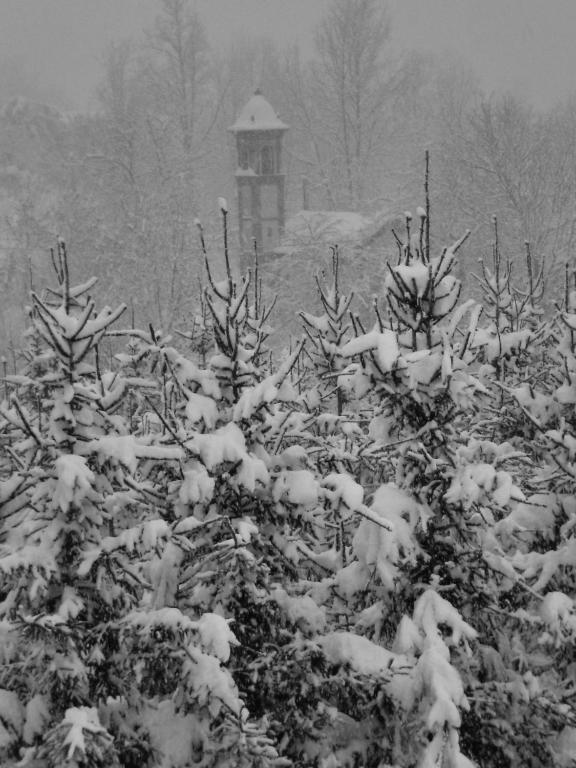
{"x":52,"y":49}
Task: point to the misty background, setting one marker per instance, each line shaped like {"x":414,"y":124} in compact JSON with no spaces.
{"x":114,"y":117}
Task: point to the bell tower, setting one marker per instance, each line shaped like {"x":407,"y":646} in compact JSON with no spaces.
{"x":259,"y":177}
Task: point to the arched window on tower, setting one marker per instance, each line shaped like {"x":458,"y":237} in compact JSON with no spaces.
{"x":266,"y":160}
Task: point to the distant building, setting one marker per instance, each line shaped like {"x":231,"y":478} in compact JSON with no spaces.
{"x":346,"y":229}
{"x":260,"y":179}
{"x":262,"y":214}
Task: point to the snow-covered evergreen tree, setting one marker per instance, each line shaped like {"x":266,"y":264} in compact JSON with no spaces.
{"x":94,"y":671}
{"x":443,"y":489}
{"x":205,"y":561}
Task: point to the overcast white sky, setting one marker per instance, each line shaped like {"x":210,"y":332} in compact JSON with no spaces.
{"x":52,"y":49}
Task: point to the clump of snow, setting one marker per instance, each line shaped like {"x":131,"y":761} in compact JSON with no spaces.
{"x":227,"y":444}
{"x":537,"y":513}
{"x":362,"y":654}
{"x":71,"y":604}
{"x":11,"y":717}
{"x":201,"y":408}
{"x":210,"y":684}
{"x":171,"y":733}
{"x":197,"y":485}
{"x":274,"y":387}
{"x":301,"y":610}
{"x":558,"y":611}
{"x":383,"y":344}
{"x":216,"y":636}
{"x":372,"y":660}
{"x":437,"y":685}
{"x":445,"y":296}
{"x":298,"y":486}
{"x":564,"y":747}
{"x":380,"y":428}
{"x":127,"y":449}
{"x":415,"y":277}
{"x":476,"y":481}
{"x":293,"y":457}
{"x":503,"y":344}
{"x":341,"y":489}
{"x":432,"y":609}
{"x":245,"y":529}
{"x":352,"y":579}
{"x":74,"y":481}
{"x":422,"y":367}
{"x":190,"y":376}
{"x":377,"y":547}
{"x":36,"y":717}
{"x":81,"y":721}
{"x":168,"y":618}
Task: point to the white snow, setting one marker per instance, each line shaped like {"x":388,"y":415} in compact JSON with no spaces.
{"x":201,"y":408}
{"x":197,"y":485}
{"x":383,"y":344}
{"x":210,"y":683}
{"x":293,"y":457}
{"x":11,"y":717}
{"x":167,"y":617}
{"x":380,"y":428}
{"x":128,"y":449}
{"x":445,"y":296}
{"x":245,"y":529}
{"x":474,"y":483}
{"x":37,"y":715}
{"x":415,"y":278}
{"x":377,"y":547}
{"x":171,"y":733}
{"x":258,"y":114}
{"x":225,"y":444}
{"x":216,"y":636}
{"x":437,"y":685}
{"x":558,"y":610}
{"x":80,"y":720}
{"x":431,"y":609}
{"x":71,"y":604}
{"x":362,"y":654}
{"x":74,"y":481}
{"x":189,"y":375}
{"x":301,"y":610}
{"x":341,"y":488}
{"x":537,"y":513}
{"x":297,"y":486}
{"x":372,"y":660}
{"x":40,"y":557}
{"x":351,"y":579}
{"x":275,"y":386}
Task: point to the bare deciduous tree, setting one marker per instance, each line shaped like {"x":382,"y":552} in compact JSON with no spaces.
{"x":502,"y":157}
{"x":345,"y":101}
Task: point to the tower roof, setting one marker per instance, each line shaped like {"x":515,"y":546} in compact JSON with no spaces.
{"x":258,"y":115}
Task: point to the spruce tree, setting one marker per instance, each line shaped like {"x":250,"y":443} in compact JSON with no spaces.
{"x":94,"y":673}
